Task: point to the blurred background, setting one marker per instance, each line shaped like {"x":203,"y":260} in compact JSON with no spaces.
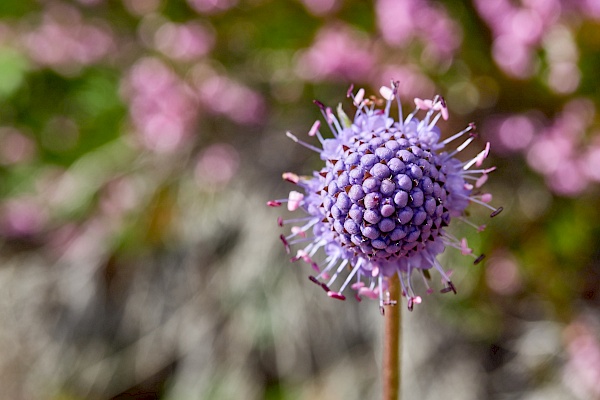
{"x":140,"y":140}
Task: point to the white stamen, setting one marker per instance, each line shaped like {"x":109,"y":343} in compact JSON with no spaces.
{"x":386,"y":93}
{"x":314,"y":128}
{"x":350,"y":276}
{"x":300,"y":142}
{"x":358,"y":98}
{"x":337,"y":272}
{"x":457,"y":135}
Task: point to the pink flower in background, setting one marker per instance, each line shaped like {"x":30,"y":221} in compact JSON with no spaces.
{"x":521,"y":29}
{"x":502,"y":273}
{"x":22,"y":216}
{"x":513,"y":133}
{"x":338,"y":52}
{"x":582,"y":371}
{"x":211,"y":6}
{"x":591,"y":160}
{"x":402,"y":21}
{"x":589,"y":7}
{"x":15,"y":147}
{"x":184,"y":41}
{"x":321,"y":7}
{"x":558,"y":149}
{"x":163,"y":109}
{"x":516,"y":31}
{"x":414,"y":83}
{"x":65,"y":41}
{"x":217,"y":165}
{"x":120,"y":196}
{"x":224,"y":96}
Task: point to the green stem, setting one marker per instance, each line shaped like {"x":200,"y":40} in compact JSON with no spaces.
{"x":392,"y":342}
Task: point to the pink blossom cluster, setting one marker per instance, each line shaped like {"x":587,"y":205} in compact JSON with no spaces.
{"x":222,"y":95}
{"x":216,"y":165}
{"x":321,"y":7}
{"x":211,"y":6}
{"x":338,"y":52}
{"x":401,"y":22}
{"x":520,"y":30}
{"x":23,"y":216}
{"x":163,"y":108}
{"x":560,"y":149}
{"x":183,"y":42}
{"x":65,"y":41}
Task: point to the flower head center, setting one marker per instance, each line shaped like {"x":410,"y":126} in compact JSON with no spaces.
{"x":384,"y":198}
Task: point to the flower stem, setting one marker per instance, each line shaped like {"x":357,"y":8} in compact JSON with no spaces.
{"x":392,"y":341}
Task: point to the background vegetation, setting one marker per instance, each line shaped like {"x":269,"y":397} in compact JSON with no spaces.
{"x":140,"y":139}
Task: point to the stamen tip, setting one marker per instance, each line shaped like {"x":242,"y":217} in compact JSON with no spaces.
{"x":285,"y":243}
{"x":498,"y":211}
{"x":350,"y":89}
{"x":319,"y":104}
{"x":479,"y":259}
{"x":336,"y":295}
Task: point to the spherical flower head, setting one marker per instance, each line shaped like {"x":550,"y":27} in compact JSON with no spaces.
{"x":381,"y":203}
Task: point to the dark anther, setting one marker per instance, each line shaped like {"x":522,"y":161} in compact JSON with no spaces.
{"x":314,"y":280}
{"x":451,"y":285}
{"x":410,"y":304}
{"x":449,"y":288}
{"x":381,"y":310}
{"x":279,"y":221}
{"x":350,"y":89}
{"x":479,"y":259}
{"x":325,"y":287}
{"x":285,"y":243}
{"x":443,"y":101}
{"x":319,"y":104}
{"x":498,"y":211}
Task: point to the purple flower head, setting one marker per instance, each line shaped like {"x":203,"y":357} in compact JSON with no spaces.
{"x":381,"y":203}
